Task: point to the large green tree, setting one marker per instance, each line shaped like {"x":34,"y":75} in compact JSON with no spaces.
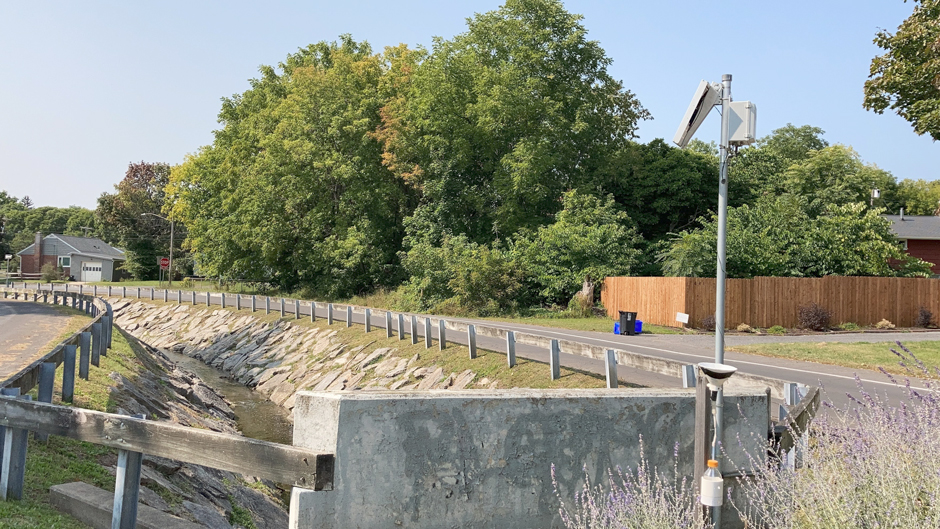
{"x":918,"y":197}
{"x":502,"y":119}
{"x":126,"y":219}
{"x":293,"y":189}
{"x":906,"y":78}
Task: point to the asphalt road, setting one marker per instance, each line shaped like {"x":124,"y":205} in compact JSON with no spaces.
{"x":25,"y":329}
{"x":837,"y":382}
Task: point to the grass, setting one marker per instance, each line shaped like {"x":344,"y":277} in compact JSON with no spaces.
{"x":62,"y":460}
{"x":856,"y":355}
{"x":596,"y":324}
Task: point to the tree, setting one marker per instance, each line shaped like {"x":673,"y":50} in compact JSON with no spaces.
{"x":21,"y":224}
{"x":919,"y":197}
{"x":591,"y":238}
{"x":293,"y":189}
{"x":499,"y":121}
{"x":905,"y":78}
{"x":125,"y":218}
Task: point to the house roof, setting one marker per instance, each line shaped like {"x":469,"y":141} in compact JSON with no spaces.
{"x":915,"y":226}
{"x":82,"y":245}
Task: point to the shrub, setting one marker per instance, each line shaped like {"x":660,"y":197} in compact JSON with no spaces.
{"x":49,"y":273}
{"x":814,"y":317}
{"x":849,"y":326}
{"x":884,"y":324}
{"x":745,"y":328}
{"x":580,"y":306}
{"x":924,"y":318}
{"x":776,"y":329}
{"x":708,"y":322}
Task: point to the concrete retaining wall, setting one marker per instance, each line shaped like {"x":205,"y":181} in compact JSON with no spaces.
{"x":483,"y":458}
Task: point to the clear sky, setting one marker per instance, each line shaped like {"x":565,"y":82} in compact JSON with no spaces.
{"x":87,"y":87}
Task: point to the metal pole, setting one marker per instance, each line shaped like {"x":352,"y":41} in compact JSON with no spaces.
{"x":170,"y":270}
{"x":720,"y":272}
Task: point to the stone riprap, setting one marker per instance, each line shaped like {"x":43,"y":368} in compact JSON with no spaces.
{"x":280,"y":358}
{"x":483,"y":459}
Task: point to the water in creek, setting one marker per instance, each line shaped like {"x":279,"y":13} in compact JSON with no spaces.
{"x":258,"y":417}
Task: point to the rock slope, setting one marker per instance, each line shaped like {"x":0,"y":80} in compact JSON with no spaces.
{"x":280,"y":358}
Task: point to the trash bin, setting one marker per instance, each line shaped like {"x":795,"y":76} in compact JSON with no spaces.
{"x":639,"y":327}
{"x":627,"y":323}
{"x":617,"y":328}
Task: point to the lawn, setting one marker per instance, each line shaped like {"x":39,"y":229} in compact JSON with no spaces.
{"x":856,"y":355}
{"x":583,"y":324}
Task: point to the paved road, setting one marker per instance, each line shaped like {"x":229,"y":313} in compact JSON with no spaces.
{"x":25,"y":329}
{"x":838,"y":382}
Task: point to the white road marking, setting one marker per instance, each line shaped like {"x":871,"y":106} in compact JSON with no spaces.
{"x":802,"y":371}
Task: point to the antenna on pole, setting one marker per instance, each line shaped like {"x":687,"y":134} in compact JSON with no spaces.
{"x":86,"y":229}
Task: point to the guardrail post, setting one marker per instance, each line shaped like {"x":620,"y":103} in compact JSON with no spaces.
{"x":123,"y":292}
{"x":94,"y":290}
{"x":329,"y":314}
{"x":81,"y":288}
{"x":151,"y":293}
{"x":66,"y":287}
{"x":126,"y":488}
{"x":254,"y":303}
{"x":55,"y":298}
{"x":238,"y":302}
{"x":472,"y":340}
{"x":208,"y":298}
{"x":427,"y":333}
{"x":368,"y":320}
{"x":401,"y":326}
{"x":282,"y":307}
{"x":511,"y":348}
{"x":610,"y":363}
{"x":95,"y":343}
{"x":296,"y":309}
{"x":166,"y":295}
{"x":223,"y":302}
{"x":267,"y":304}
{"x":74,"y":301}
{"x":688,"y":376}
{"x":313,"y":311}
{"x":105,"y":328}
{"x":109,"y":291}
{"x":68,"y":373}
{"x":84,"y":354}
{"x":414,"y":329}
{"x":13,"y":465}
{"x":45,"y":297}
{"x":388,"y":324}
{"x":442,"y":334}
{"x":348,"y":316}
{"x":554,"y":360}
{"x":179,"y":297}
{"x":44,"y":392}
{"x":138,"y":292}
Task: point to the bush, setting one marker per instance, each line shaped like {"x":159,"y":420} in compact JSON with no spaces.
{"x":708,"y":322}
{"x":49,"y":273}
{"x":776,"y":329}
{"x":884,"y":324}
{"x":849,"y":326}
{"x":745,"y":328}
{"x":924,"y":318}
{"x":580,"y":306}
{"x":814,"y":317}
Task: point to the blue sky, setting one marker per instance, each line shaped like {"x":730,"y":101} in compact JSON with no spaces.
{"x":86,"y":87}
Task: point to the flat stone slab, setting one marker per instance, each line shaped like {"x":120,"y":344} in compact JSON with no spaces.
{"x":94,"y":506}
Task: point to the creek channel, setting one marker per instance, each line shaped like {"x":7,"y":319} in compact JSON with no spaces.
{"x":257,"y":417}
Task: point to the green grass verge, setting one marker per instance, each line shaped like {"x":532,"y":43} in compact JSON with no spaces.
{"x":584,"y":324}
{"x":63,"y":460}
{"x":856,"y":355}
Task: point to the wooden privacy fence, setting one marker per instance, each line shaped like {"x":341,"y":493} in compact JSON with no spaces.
{"x":768,"y":301}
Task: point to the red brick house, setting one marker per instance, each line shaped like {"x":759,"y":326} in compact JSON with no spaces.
{"x":83,"y":258}
{"x":920,"y":236}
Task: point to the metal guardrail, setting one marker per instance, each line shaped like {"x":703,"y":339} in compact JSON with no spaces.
{"x":132,"y":436}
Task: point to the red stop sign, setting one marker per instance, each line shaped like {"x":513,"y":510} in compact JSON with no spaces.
{"x":164,"y":263}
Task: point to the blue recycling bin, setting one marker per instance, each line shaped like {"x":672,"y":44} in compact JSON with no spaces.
{"x":639,"y":327}
{"x":617,"y":328}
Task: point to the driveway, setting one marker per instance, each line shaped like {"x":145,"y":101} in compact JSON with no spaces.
{"x":25,"y":330}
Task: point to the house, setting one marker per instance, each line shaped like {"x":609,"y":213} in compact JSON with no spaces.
{"x":920,"y":236}
{"x":82,"y":258}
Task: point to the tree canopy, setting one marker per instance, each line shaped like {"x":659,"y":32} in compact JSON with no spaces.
{"x":905,"y":78}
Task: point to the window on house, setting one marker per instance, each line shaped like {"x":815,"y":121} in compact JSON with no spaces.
{"x":65,"y":261}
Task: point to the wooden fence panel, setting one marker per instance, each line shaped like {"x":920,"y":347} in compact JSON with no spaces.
{"x":768,"y":301}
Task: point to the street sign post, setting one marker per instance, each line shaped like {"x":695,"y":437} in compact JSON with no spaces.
{"x":164,"y":263}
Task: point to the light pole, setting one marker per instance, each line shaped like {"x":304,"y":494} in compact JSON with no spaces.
{"x":170,"y":275}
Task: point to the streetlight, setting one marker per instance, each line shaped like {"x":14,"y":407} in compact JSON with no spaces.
{"x":170,"y":275}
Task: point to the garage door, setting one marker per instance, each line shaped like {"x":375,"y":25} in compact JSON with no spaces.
{"x":91,"y":271}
